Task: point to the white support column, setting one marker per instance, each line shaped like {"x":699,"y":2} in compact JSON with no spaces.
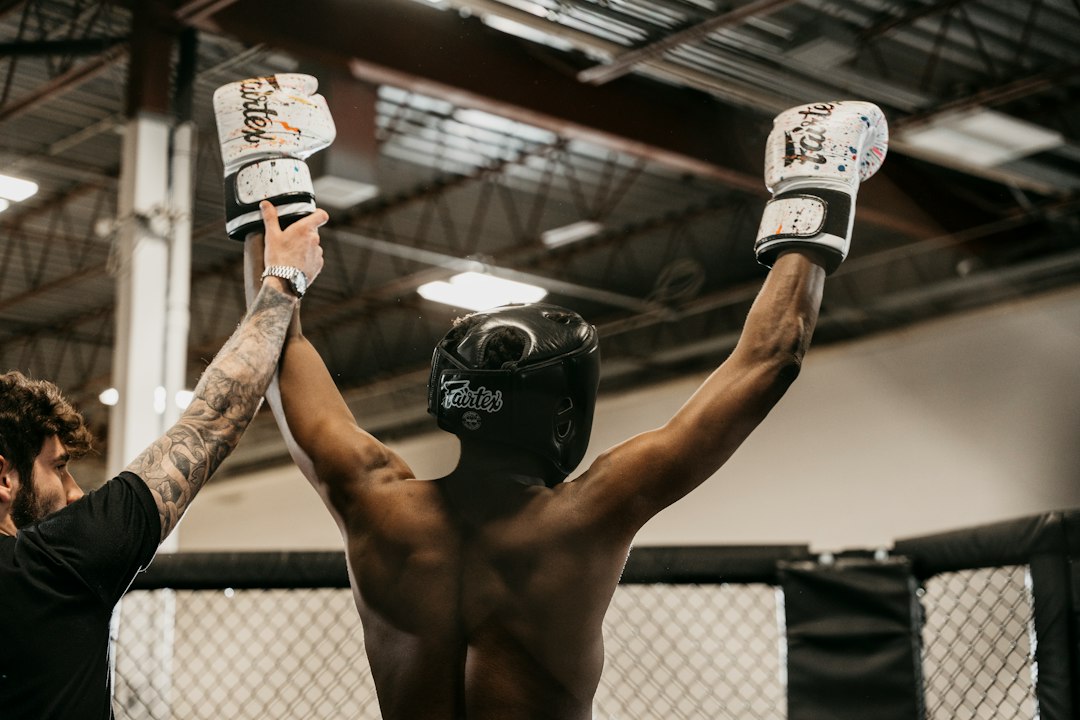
{"x":181,"y":201}
{"x":142,"y":274}
{"x":153,"y":285}
{"x":150,"y":353}
{"x":142,"y":268}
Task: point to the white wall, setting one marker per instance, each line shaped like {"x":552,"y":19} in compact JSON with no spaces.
{"x":953,"y":423}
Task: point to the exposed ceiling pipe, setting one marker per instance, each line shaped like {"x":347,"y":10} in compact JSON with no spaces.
{"x":627,"y":61}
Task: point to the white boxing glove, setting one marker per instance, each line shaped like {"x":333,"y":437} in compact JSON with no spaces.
{"x":267,"y":127}
{"x":815,"y":158}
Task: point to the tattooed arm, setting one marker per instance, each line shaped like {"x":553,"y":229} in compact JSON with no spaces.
{"x":177,"y":465}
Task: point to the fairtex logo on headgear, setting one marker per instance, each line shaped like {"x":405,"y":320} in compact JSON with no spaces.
{"x":257,"y":116}
{"x":458,"y":394}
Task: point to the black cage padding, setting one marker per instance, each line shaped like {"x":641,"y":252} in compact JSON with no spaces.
{"x":317,"y":569}
{"x":709,"y":564}
{"x":245,"y":570}
{"x":853,"y":641}
{"x":1013,"y":542}
{"x":1053,"y":583}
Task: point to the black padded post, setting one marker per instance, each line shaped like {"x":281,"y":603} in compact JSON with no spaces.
{"x":853,"y":640}
{"x":1055,"y":585}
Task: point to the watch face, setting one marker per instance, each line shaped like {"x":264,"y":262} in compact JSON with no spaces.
{"x":294,"y":276}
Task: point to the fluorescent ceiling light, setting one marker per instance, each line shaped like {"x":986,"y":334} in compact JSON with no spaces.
{"x":983,"y":138}
{"x":574,"y":232}
{"x":4,"y":204}
{"x":109,"y":396}
{"x":480,"y":291}
{"x":16,"y":189}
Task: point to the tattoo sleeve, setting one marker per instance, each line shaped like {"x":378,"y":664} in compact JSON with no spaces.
{"x":177,"y":465}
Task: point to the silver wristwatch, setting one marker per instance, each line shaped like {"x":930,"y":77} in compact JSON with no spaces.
{"x":295,"y":276}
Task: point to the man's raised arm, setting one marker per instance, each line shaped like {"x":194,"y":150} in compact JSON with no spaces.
{"x":178,"y":464}
{"x":815,"y":158}
{"x":267,"y":126}
{"x":328,"y":446}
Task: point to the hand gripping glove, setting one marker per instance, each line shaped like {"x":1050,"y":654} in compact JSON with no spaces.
{"x":815,"y":158}
{"x":267,"y":127}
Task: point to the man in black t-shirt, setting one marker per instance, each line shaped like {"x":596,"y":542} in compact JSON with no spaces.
{"x":66,"y":558}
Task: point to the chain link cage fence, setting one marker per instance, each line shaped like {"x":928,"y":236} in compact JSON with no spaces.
{"x":978,"y":653}
{"x":681,"y":651}
{"x":242,"y":654}
{"x":691,"y":634}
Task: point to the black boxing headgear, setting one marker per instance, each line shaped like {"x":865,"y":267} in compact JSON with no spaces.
{"x":522,"y":375}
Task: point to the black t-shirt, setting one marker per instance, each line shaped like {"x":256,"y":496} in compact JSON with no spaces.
{"x":59,"y":582}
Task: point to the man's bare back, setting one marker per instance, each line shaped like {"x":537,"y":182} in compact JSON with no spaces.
{"x":482,"y":610}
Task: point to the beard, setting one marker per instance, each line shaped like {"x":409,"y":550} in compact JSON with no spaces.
{"x":27,"y":507}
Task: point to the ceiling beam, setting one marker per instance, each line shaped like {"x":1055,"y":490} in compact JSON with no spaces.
{"x":78,"y":46}
{"x":64,"y":82}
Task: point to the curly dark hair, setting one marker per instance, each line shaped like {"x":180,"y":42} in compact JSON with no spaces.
{"x":31,"y":411}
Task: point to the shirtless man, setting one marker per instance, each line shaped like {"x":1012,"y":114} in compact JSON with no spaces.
{"x":482,"y":593}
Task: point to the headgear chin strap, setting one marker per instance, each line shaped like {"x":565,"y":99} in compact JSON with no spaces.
{"x":542,"y":401}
